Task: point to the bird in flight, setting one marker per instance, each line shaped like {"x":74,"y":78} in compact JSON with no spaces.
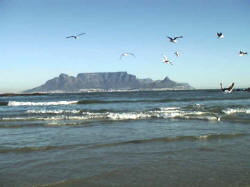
{"x":174,"y":40}
{"x":242,"y":53}
{"x":177,"y":53}
{"x":227,"y":90}
{"x":76,"y":36}
{"x":127,"y":54}
{"x":166,"y":61}
{"x":220,"y":35}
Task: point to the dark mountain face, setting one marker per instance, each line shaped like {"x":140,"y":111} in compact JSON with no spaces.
{"x":105,"y":81}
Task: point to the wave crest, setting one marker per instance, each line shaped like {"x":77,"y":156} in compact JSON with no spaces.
{"x":164,"y":113}
{"x":236,"y":110}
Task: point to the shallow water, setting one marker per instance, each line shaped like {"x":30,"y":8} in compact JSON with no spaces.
{"x":168,"y":138}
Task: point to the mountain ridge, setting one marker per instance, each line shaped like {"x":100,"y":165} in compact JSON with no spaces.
{"x":105,"y":81}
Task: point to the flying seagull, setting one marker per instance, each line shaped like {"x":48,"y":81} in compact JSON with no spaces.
{"x":127,"y":54}
{"x":177,"y":54}
{"x":174,"y":40}
{"x":220,"y":35}
{"x":76,"y":36}
{"x":242,"y":53}
{"x":166,"y":61}
{"x":227,"y":90}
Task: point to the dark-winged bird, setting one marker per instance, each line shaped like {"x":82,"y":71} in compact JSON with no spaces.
{"x":75,"y":36}
{"x":242,"y":53}
{"x":174,"y":40}
{"x":220,"y":35}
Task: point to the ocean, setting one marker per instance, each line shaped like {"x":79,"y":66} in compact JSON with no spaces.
{"x":144,"y":138}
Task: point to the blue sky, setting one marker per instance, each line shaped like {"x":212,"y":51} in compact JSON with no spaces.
{"x":33,"y":47}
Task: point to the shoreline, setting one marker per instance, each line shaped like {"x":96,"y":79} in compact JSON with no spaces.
{"x":109,"y":91}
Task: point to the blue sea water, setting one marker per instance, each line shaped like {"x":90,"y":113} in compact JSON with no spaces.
{"x":153,"y":138}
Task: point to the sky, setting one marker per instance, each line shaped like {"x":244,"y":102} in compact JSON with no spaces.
{"x":33,"y":48}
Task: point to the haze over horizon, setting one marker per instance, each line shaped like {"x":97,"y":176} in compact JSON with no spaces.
{"x":34,"y":49}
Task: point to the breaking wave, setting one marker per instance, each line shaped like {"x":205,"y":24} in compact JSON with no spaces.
{"x":52,"y":111}
{"x":164,"y":113}
{"x":236,"y":110}
{"x":188,"y":112}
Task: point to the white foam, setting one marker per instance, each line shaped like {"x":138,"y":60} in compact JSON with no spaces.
{"x":203,"y":137}
{"x":127,"y":116}
{"x":169,"y":109}
{"x":236,"y":110}
{"x":209,"y":118}
{"x":52,"y":111}
{"x":16,"y":103}
{"x":18,"y":118}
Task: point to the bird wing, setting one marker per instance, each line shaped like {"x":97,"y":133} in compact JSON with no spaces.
{"x":170,"y":38}
{"x":81,"y":34}
{"x":122,"y":55}
{"x":231,"y":86}
{"x":178,"y":37}
{"x":70,"y":36}
{"x":222,"y":89}
{"x":220,"y":35}
{"x":165,"y":58}
{"x":132,"y":54}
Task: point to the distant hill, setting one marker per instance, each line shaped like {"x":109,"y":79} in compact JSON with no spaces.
{"x":106,"y":81}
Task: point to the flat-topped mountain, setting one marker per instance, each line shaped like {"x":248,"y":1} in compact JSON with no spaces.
{"x":105,"y":81}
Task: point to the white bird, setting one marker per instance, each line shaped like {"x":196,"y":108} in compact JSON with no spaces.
{"x":127,"y":54}
{"x":174,"y":40}
{"x":227,"y":90}
{"x":242,"y":53}
{"x":177,"y":54}
{"x":75,"y":36}
{"x":166,"y":61}
{"x":220,"y":35}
